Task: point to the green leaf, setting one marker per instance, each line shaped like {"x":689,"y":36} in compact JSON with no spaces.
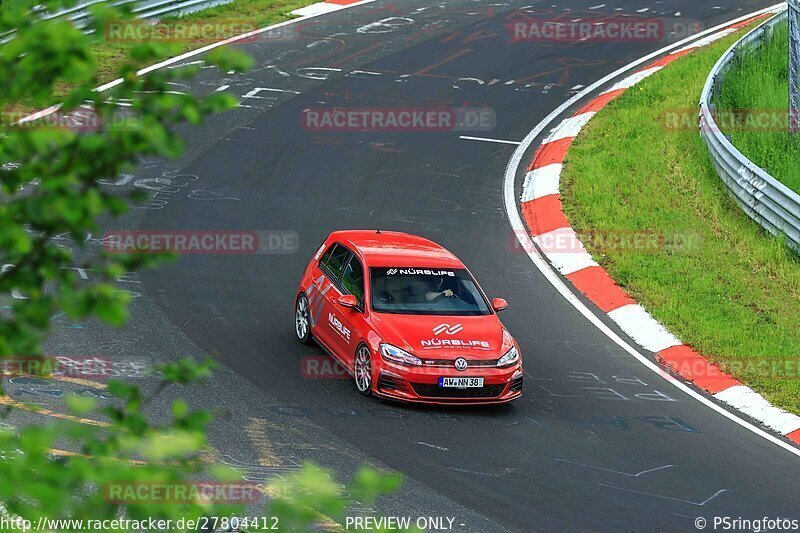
{"x":79,"y":405}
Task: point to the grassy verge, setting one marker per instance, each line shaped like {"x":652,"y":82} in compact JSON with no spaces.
{"x":111,"y":55}
{"x":759,"y":85}
{"x":260,"y":13}
{"x":721,"y":284}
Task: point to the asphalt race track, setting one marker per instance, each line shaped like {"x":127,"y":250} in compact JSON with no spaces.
{"x":598,"y":441}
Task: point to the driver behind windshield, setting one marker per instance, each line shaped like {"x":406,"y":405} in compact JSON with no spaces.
{"x":455,"y":293}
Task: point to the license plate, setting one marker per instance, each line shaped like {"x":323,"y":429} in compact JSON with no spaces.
{"x":461,"y":383}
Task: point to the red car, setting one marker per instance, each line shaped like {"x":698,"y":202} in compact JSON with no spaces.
{"x":407,"y":320}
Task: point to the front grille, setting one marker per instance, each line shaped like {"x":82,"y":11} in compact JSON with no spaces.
{"x":515,"y":385}
{"x":434,"y":391}
{"x":471,"y":363}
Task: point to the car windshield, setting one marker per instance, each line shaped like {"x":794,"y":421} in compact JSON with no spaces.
{"x":426,"y":291}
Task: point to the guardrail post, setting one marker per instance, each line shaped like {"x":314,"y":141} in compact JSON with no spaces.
{"x":794,"y":65}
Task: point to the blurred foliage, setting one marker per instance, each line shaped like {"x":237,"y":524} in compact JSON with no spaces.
{"x":50,"y":185}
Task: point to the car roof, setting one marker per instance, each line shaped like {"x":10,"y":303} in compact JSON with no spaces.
{"x":396,"y":249}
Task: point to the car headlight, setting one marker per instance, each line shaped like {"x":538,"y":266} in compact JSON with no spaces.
{"x":511,"y":357}
{"x":394,"y":354}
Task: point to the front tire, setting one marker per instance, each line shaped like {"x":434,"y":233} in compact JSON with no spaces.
{"x":362,"y":370}
{"x":302,"y":320}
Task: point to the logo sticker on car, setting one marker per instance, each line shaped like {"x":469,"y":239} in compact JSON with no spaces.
{"x":432,"y":344}
{"x":419,"y":271}
{"x":447,"y":328}
{"x":337,"y":326}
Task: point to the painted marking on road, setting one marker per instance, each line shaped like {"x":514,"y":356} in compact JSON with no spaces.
{"x":258,"y":90}
{"x":643,"y":472}
{"x":633,"y":79}
{"x":696,"y":368}
{"x":643,"y":328}
{"x":5,"y":400}
{"x":753,"y":404}
{"x":426,"y":70}
{"x":169,"y":63}
{"x":256,"y":431}
{"x":569,"y":128}
{"x":698,"y":504}
{"x":541,"y":182}
{"x":488,"y":140}
{"x":565,"y":250}
{"x":59,"y":377}
{"x":434,"y":446}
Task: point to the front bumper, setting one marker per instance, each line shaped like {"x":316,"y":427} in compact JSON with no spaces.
{"x":420,"y":385}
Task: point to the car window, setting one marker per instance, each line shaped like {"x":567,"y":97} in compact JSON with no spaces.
{"x":426,"y":291}
{"x":334,"y":260}
{"x":327,"y":255}
{"x":353,"y":278}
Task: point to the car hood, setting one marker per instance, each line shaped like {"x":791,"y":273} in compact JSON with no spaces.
{"x":445,"y":337}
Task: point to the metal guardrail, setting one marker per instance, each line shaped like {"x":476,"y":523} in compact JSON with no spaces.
{"x":143,"y":9}
{"x":766,"y":200}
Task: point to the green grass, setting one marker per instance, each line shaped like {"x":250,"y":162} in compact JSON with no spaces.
{"x":111,"y":55}
{"x":760,"y":83}
{"x":721,"y":284}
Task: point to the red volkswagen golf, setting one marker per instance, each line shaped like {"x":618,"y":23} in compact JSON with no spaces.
{"x":406,"y":318}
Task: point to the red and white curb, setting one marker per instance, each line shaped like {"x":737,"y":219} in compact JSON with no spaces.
{"x":320,"y":8}
{"x":546,"y":223}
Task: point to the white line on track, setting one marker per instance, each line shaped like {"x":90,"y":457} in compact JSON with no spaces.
{"x":191,"y":53}
{"x":539,"y":261}
{"x":486,"y":139}
{"x":434,"y":446}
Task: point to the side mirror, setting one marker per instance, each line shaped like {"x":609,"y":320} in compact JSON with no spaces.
{"x":348,"y":300}
{"x":498,"y":304}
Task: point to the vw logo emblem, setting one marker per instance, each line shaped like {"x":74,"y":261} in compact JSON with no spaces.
{"x":461,"y":364}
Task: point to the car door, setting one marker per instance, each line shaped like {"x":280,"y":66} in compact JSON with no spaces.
{"x":323,"y":294}
{"x":351,"y":322}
